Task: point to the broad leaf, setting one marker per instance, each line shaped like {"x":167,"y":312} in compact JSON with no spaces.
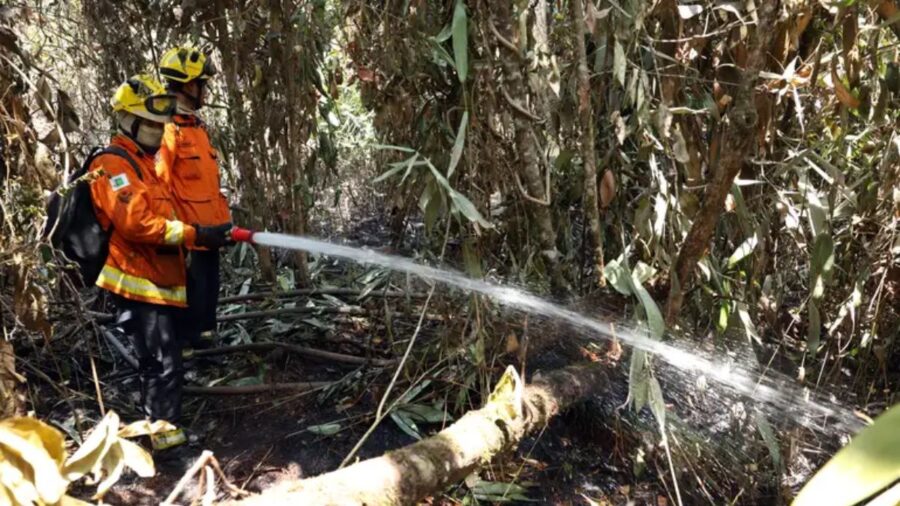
{"x":654,"y":316}
{"x":618,"y":276}
{"x":460,"y":31}
{"x":44,"y":478}
{"x":325,"y":429}
{"x":619,"y":63}
{"x":113,"y":465}
{"x":743,"y":251}
{"x":458,"y":144}
{"x":657,"y":404}
{"x":815,"y":328}
{"x":468,"y":209}
{"x":137,"y":458}
{"x":861,"y":469}
{"x":89,"y":457}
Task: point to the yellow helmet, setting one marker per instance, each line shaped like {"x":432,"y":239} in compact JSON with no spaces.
{"x":185,"y":63}
{"x":145,"y":97}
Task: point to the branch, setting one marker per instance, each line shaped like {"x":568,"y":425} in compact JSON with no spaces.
{"x":520,"y":108}
{"x":300,"y":350}
{"x":255,"y":389}
{"x":737,"y":141}
{"x":504,"y":41}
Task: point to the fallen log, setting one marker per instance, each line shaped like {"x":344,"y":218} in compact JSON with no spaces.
{"x":255,"y":389}
{"x":410,"y":474}
{"x":300,"y":350}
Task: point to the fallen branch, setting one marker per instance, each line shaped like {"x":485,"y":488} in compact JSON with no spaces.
{"x":294,"y":348}
{"x":246,"y":315}
{"x":316,"y":291}
{"x":408,"y":475}
{"x":188,"y":476}
{"x":255,"y":389}
{"x":208,"y":463}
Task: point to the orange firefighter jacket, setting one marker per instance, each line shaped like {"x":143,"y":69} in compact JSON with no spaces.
{"x":145,"y":262}
{"x":189,"y":165}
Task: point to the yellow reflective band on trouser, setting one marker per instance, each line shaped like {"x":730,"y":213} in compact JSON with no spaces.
{"x":174,"y":232}
{"x":168,"y":439}
{"x":117,"y":281}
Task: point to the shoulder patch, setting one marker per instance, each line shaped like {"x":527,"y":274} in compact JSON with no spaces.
{"x":119,"y":181}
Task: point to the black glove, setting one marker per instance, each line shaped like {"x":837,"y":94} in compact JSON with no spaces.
{"x":213,"y":237}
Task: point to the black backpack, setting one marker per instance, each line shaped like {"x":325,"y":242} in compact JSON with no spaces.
{"x":72,"y":226}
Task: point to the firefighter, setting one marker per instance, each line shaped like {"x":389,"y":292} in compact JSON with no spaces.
{"x":144,"y":270}
{"x":189,"y":165}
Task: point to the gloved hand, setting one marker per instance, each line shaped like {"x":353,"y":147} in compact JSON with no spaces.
{"x":213,"y":237}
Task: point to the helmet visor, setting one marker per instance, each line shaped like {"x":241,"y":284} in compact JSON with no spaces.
{"x":163,"y":105}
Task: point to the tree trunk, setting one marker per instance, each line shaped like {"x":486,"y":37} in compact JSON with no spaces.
{"x":516,"y":100}
{"x":408,"y":475}
{"x":588,"y":151}
{"x":737,"y":144}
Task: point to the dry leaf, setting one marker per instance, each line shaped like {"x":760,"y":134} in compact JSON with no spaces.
{"x":28,"y":466}
{"x":607,"y":188}
{"x":145,"y":428}
{"x":512,"y":343}
{"x":137,"y":458}
{"x":89,"y":457}
{"x":841,"y":91}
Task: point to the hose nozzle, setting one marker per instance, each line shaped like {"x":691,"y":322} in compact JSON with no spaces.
{"x":241,"y":234}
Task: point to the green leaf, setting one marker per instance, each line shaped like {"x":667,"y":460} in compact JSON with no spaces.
{"x":638,"y":380}
{"x":403,"y":149}
{"x":821,"y":265}
{"x":743,"y":251}
{"x":815,"y":328}
{"x":870,"y":463}
{"x":749,"y":327}
{"x":724,"y":315}
{"x":458,"y":145}
{"x":444,"y":36}
{"x":424,"y":413}
{"x":619,"y":63}
{"x":644,"y":272}
{"x":406,"y":424}
{"x":325,"y":429}
{"x":654,"y":316}
{"x":468,"y":209}
{"x":460,"y":30}
{"x":471,"y":260}
{"x":500,"y":492}
{"x":657,"y":403}
{"x":817,"y":216}
{"x":769,"y":438}
{"x":618,"y":276}
{"x":387,"y":174}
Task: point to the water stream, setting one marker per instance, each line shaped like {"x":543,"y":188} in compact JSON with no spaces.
{"x":780,"y":397}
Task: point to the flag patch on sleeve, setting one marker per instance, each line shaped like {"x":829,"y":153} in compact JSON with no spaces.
{"x":118,"y":182}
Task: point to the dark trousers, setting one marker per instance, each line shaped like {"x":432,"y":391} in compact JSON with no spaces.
{"x":151,"y":328}
{"x":202,"y":294}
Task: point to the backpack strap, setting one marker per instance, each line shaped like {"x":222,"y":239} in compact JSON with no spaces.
{"x":118,"y":151}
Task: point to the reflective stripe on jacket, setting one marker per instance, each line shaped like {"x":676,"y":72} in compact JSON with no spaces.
{"x":189,"y":166}
{"x":145,"y":261}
